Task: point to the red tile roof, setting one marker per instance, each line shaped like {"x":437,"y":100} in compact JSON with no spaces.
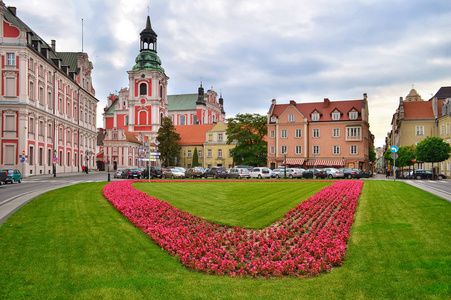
{"x":421,"y":110}
{"x":307,"y":108}
{"x":130,"y":137}
{"x":192,"y":134}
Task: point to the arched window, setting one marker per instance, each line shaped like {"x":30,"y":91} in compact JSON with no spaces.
{"x":161,"y":92}
{"x":142,"y":118}
{"x":143,"y":89}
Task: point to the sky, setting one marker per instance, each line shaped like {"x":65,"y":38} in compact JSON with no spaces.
{"x":253,"y":51}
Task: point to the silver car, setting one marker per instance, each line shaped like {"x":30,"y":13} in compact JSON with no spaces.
{"x":260,"y":172}
{"x":334,"y":173}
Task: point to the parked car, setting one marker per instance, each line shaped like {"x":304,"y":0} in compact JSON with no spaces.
{"x":358,"y":173}
{"x":133,"y":173}
{"x":215,"y":172}
{"x":314,"y":173}
{"x":195,"y":172}
{"x":426,"y":174}
{"x":155,"y":172}
{"x":334,"y":173}
{"x":13,"y":175}
{"x":3,"y":175}
{"x":118,"y":173}
{"x":275,"y":172}
{"x":290,"y":173}
{"x":260,"y":172}
{"x":350,"y":173}
{"x":239,"y":173}
{"x":173,"y":172}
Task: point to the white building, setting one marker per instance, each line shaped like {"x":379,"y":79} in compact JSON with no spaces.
{"x":47,"y":103}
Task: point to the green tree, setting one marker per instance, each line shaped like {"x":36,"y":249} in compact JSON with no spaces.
{"x":167,"y":143}
{"x":372,"y":155}
{"x":195,"y":158}
{"x":405,"y":156}
{"x":432,"y":149}
{"x":249,"y":131}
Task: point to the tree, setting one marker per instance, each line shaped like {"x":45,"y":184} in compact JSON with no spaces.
{"x":195,"y":158}
{"x":249,"y":131}
{"x":372,"y":155}
{"x":405,"y":156}
{"x":167,"y":143}
{"x":432,"y":149}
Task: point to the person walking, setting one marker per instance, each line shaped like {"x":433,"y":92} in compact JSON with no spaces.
{"x":83,"y":168}
{"x":86,"y":169}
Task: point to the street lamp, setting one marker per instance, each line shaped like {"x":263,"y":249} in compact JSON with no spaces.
{"x":54,"y":163}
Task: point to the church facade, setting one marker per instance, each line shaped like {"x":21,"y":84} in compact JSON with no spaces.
{"x":133,"y":116}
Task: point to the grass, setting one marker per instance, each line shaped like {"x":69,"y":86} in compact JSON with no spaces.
{"x":80,"y":247}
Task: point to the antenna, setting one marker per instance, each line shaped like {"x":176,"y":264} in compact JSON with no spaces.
{"x":82,"y":35}
{"x":148,"y":10}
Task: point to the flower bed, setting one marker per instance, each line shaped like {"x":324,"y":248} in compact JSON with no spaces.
{"x":310,"y":239}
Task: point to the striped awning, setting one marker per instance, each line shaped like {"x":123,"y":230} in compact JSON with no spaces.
{"x":295,"y":161}
{"x":325,"y":162}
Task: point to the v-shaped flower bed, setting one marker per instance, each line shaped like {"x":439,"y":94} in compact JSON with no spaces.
{"x":308,"y":240}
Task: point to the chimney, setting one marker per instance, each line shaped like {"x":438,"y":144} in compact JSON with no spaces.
{"x":12,"y":9}
{"x":273,"y":101}
{"x":54,"y":45}
{"x":365,"y":96}
{"x":326,"y":102}
{"x":292,"y":102}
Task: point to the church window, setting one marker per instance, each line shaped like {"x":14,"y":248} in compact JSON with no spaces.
{"x":142,"y":118}
{"x":143,"y":89}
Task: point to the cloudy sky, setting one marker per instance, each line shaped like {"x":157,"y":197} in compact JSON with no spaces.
{"x":257,"y":50}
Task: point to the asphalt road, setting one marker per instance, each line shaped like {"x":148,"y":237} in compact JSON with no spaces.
{"x":14,"y":196}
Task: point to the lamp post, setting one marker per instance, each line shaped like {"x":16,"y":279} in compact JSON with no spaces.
{"x":108,"y":166}
{"x":54,"y":163}
{"x":88,"y":153}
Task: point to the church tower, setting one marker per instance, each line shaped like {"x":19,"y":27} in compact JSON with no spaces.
{"x":147,"y":100}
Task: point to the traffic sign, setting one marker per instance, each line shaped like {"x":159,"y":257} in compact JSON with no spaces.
{"x":394,"y":149}
{"x":55,"y":159}
{"x":394,"y":155}
{"x":23,"y":159}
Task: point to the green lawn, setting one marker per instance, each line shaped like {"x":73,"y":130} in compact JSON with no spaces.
{"x":78,"y":246}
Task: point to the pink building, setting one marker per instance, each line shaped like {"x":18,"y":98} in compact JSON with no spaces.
{"x":320,"y":134}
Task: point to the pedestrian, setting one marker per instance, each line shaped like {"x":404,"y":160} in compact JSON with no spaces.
{"x":86,"y":169}
{"x":83,"y":168}
{"x":387,"y":174}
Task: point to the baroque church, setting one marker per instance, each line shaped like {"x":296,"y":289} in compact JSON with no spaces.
{"x":133,"y":116}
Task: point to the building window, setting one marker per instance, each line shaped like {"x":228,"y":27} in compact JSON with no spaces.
{"x":447,"y":128}
{"x":30,"y":156}
{"x":272,"y":150}
{"x":41,"y":128}
{"x":31,"y":91}
{"x":143,"y":89}
{"x":49,"y":157}
{"x":298,"y":150}
{"x":336,"y":116}
{"x":126,"y":121}
{"x":336,"y":150}
{"x":315,"y":117}
{"x":354,"y":149}
{"x":336,"y":132}
{"x":316,"y":149}
{"x":31,"y":126}
{"x":49,"y":100}
{"x":442,"y":129}
{"x":189,"y":153}
{"x":284,"y":149}
{"x":283,"y":134}
{"x":68,"y":159}
{"x":316,"y":133}
{"x":219,"y":152}
{"x":199,"y":153}
{"x":298,"y":133}
{"x":353,"y":115}
{"x":209,"y":153}
{"x":182,"y":120}
{"x":114,"y":136}
{"x":291,"y":118}
{"x":11,"y":59}
{"x":419,"y":130}
{"x":41,"y":95}
{"x":220,"y":137}
{"x":272,"y":134}
{"x":353,"y":133}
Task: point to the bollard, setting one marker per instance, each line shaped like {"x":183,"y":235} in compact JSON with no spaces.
{"x":108,"y":176}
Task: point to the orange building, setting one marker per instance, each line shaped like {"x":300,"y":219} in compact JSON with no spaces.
{"x":320,"y":134}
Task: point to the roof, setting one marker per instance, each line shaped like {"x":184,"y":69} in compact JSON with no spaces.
{"x":307,"y":108}
{"x":443,"y":93}
{"x":70,"y":59}
{"x":192,"y":134}
{"x":418,"y":110}
{"x":130,"y":137}
{"x":182,"y":102}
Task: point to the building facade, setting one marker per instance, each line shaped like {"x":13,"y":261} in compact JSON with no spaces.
{"x":415,"y":119}
{"x":48,"y":105}
{"x":217,"y":151}
{"x":133,"y":116}
{"x":319,"y":134}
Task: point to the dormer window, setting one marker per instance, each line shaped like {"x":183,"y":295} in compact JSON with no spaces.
{"x":315,"y":117}
{"x":353,"y":115}
{"x":336,"y":116}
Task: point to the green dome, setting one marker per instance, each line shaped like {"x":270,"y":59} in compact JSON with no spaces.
{"x":148,"y":60}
